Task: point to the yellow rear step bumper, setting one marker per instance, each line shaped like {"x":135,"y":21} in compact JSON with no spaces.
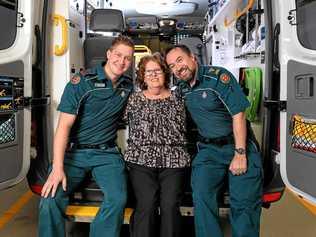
{"x":81,"y":213}
{"x":87,"y":213}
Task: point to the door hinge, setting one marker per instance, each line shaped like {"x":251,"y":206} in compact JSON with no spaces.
{"x":279,"y":105}
{"x":292,"y":17}
{"x":20,"y":20}
{"x":34,"y":102}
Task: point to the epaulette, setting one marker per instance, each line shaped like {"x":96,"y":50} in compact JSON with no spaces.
{"x":214,"y":71}
{"x":91,"y":74}
{"x":90,"y":71}
{"x":209,"y":73}
{"x":221,"y":75}
{"x":91,"y":77}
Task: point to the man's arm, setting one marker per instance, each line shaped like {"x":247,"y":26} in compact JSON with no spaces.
{"x":238,"y":165}
{"x":57,"y":175}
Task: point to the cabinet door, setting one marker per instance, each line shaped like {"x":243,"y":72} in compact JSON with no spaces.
{"x":15,"y":85}
{"x":298,"y":79}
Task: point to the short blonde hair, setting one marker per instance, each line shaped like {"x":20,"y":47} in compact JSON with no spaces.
{"x":122,"y":39}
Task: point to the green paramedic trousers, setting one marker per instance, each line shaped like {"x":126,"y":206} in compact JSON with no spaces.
{"x":209,"y":168}
{"x":108,"y":170}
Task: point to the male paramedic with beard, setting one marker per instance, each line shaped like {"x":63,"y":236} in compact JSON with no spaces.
{"x":84,"y":141}
{"x":217,"y":104}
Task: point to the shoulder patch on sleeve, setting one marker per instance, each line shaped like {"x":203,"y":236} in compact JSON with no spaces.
{"x":75,"y":79}
{"x":225,"y":78}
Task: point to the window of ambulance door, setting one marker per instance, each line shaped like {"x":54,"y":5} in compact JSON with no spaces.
{"x":8,"y":22}
{"x":306,"y":18}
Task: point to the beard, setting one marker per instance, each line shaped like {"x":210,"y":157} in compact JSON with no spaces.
{"x":186,"y":74}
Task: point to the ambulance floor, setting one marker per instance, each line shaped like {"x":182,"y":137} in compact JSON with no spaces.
{"x":286,"y":218}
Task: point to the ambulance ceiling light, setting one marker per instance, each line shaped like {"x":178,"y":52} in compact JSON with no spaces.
{"x":164,"y":7}
{"x":166,"y":22}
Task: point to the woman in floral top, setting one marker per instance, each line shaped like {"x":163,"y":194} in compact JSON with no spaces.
{"x":156,"y":155}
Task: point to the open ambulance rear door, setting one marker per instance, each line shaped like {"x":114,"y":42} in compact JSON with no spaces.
{"x":297,"y":57}
{"x":15,"y":89}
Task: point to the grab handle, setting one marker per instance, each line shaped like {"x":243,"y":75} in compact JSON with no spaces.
{"x":61,"y":49}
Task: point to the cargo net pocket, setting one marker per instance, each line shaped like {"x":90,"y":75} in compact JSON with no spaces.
{"x":7,"y":128}
{"x":304,"y":133}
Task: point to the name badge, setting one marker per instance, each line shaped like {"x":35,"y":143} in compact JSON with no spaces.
{"x":99,"y":85}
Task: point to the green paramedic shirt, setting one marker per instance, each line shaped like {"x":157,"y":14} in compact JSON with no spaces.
{"x":213,"y":100}
{"x":97,"y":104}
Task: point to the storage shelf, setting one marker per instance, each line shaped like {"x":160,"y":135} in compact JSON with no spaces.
{"x":226,"y":11}
{"x":249,"y":62}
{"x":249,"y":55}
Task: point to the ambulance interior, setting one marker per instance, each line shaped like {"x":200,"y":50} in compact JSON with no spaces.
{"x":214,"y":32}
{"x":269,"y":47}
{"x":230,"y":34}
{"x":73,"y":35}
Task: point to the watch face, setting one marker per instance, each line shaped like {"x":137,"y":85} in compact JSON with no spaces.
{"x":240,"y":151}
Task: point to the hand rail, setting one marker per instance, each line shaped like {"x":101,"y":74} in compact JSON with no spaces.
{"x":142,"y":48}
{"x":61,"y":49}
{"x":239,"y":13}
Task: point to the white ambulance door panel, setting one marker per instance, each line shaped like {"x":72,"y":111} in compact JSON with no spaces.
{"x":297,"y":54}
{"x":15,"y":85}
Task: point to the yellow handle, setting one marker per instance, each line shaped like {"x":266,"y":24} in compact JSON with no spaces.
{"x":142,"y":49}
{"x":239,"y":13}
{"x":60,"y":50}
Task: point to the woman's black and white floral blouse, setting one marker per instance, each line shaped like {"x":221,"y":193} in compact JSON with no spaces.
{"x":156,"y":132}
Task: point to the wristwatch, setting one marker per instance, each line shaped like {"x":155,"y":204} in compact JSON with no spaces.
{"x":240,"y":151}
